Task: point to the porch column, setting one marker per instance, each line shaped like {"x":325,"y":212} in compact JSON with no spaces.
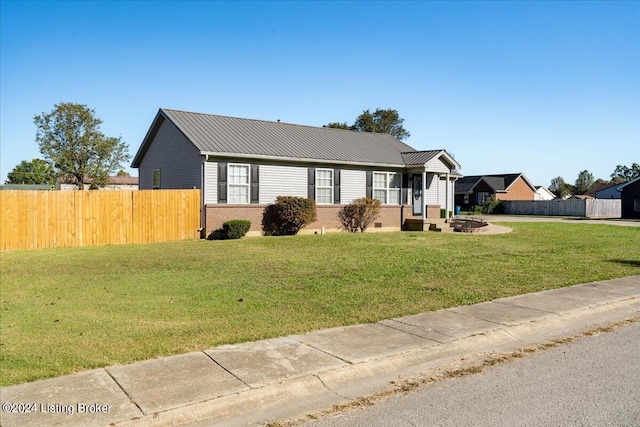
{"x":446,"y":200}
{"x":453,"y":192}
{"x":424,"y":195}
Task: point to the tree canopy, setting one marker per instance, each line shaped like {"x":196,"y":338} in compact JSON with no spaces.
{"x":623,"y":173}
{"x":336,"y":125}
{"x":37,"y":171}
{"x":70,"y":138}
{"x":584,"y":182}
{"x":559,"y":187}
{"x":380,"y":121}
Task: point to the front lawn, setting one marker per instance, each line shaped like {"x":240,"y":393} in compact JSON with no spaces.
{"x":66,"y":310}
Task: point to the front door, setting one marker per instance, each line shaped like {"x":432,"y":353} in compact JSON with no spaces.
{"x":418,"y":205}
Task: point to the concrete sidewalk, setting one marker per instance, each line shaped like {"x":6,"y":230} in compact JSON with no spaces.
{"x":283,"y":378}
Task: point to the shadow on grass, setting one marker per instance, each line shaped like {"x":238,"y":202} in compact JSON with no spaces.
{"x":631,"y":262}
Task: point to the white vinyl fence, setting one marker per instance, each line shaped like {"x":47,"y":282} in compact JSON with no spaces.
{"x":595,"y":208}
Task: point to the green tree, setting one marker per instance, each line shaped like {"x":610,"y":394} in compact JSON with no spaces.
{"x":37,"y":171}
{"x":336,"y":125}
{"x":123,"y":172}
{"x":70,"y":137}
{"x":380,"y":121}
{"x":558,"y":186}
{"x":584,"y":182}
{"x":623,"y":173}
{"x":561,"y":188}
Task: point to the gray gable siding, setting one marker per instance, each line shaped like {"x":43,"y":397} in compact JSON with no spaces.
{"x":608,"y":193}
{"x":437,"y":165}
{"x":179,"y":161}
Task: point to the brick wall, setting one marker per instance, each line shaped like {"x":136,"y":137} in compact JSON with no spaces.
{"x":519,"y":190}
{"x":390,"y":218}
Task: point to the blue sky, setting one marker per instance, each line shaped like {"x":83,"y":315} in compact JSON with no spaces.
{"x":544,"y":88}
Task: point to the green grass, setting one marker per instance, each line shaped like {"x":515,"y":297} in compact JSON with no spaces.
{"x":66,"y":310}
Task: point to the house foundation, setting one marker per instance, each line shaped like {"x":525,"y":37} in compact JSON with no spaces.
{"x":391,"y":218}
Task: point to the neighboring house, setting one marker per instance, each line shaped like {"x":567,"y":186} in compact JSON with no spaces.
{"x":581,"y":197}
{"x":25,"y":187}
{"x":475,"y":190}
{"x":122,"y":183}
{"x":630,"y":195}
{"x":115,"y":183}
{"x":543,"y":193}
{"x":604,"y":191}
{"x":241,"y":165}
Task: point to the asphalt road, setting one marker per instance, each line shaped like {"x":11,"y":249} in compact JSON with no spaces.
{"x":593,"y":381}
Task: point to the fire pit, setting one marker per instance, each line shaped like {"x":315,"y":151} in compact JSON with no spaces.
{"x":469,"y":225}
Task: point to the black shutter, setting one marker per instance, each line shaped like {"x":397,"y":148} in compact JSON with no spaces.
{"x":222,"y":182}
{"x":336,"y":186}
{"x":405,"y":189}
{"x":370,"y":184}
{"x":255,"y":190}
{"x":311,"y":193}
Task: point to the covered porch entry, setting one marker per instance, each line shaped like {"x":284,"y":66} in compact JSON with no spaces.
{"x":432,"y":190}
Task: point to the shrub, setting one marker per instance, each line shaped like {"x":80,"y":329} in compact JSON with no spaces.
{"x":476,"y":210}
{"x":288,"y":215}
{"x":492,"y":206}
{"x":234,"y":229}
{"x":359,"y":214}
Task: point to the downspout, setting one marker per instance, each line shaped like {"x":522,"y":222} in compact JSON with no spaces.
{"x":203,"y":209}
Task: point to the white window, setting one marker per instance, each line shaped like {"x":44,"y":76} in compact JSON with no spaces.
{"x":386,"y":187}
{"x":156,"y":178}
{"x":238,"y":184}
{"x":324,"y":186}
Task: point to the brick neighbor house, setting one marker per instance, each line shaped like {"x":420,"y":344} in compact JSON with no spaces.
{"x":476,"y":189}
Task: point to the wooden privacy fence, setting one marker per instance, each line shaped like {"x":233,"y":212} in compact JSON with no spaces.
{"x":49,"y":219}
{"x":592,"y":208}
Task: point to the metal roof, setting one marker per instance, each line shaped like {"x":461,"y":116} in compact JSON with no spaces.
{"x":25,"y":187}
{"x":419,"y":157}
{"x":231,"y":136}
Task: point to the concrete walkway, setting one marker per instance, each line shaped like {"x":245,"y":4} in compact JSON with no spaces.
{"x":285,"y":378}
{"x":501,"y":229}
